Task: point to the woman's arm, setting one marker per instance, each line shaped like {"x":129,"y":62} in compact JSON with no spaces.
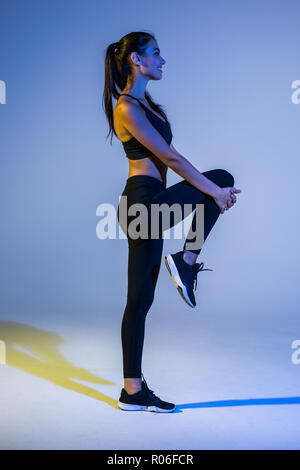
{"x":204,"y":184}
{"x":137,"y":124}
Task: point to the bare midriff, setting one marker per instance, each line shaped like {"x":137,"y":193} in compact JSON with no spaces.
{"x":146,"y":166}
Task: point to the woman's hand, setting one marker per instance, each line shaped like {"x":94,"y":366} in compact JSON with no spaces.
{"x":225,"y":198}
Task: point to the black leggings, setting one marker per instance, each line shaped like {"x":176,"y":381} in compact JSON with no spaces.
{"x":144,"y":257}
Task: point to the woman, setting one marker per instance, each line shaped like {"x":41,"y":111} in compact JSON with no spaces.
{"x":145,"y":132}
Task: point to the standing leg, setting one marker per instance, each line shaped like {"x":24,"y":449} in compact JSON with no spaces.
{"x":144,"y":260}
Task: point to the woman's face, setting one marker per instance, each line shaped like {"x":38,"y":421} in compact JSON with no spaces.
{"x":152,"y":62}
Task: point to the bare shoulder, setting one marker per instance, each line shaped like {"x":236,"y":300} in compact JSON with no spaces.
{"x":121,"y":111}
{"x":124,"y":105}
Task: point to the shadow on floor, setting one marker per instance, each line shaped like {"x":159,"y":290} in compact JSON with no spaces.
{"x":244,"y":402}
{"x":50,"y":365}
{"x":48,"y":362}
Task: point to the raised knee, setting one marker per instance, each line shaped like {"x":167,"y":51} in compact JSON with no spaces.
{"x":227,"y":178}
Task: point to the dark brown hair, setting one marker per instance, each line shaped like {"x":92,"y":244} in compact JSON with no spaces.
{"x":118,"y":72}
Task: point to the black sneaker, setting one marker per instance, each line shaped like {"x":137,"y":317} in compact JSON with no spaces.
{"x":144,"y":400}
{"x":184,"y":276}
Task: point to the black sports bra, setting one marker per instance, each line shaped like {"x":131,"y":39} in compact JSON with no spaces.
{"x":134,"y":149}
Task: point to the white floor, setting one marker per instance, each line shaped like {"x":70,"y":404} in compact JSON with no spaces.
{"x":233,"y":381}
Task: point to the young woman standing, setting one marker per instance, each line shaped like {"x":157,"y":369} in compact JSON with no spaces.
{"x":145,"y":132}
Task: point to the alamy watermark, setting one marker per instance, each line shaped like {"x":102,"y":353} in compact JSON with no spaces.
{"x":150,"y":222}
{"x":2,"y":92}
{"x":2,"y":352}
{"x":295,"y":358}
{"x":296,"y":94}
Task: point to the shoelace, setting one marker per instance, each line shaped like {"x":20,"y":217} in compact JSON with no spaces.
{"x":149,"y":392}
{"x":196,"y":268}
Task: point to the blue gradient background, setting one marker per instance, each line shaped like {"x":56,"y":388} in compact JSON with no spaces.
{"x":226,"y":88}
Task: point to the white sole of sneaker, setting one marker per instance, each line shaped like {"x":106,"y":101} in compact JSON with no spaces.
{"x":171,"y":267}
{"x":129,"y":407}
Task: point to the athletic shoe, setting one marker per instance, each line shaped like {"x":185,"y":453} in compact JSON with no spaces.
{"x":144,"y":400}
{"x":184,"y":276}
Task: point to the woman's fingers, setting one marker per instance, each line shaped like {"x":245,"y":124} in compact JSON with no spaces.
{"x":235,"y":190}
{"x":231,"y":199}
{"x":230,"y":202}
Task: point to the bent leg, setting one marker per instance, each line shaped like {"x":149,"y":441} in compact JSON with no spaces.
{"x":211,"y":210}
{"x":185,"y":193}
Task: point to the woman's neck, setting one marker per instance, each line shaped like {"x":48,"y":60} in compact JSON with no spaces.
{"x":133,"y":93}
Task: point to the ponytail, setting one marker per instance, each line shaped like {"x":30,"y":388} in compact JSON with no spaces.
{"x":118,"y":71}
